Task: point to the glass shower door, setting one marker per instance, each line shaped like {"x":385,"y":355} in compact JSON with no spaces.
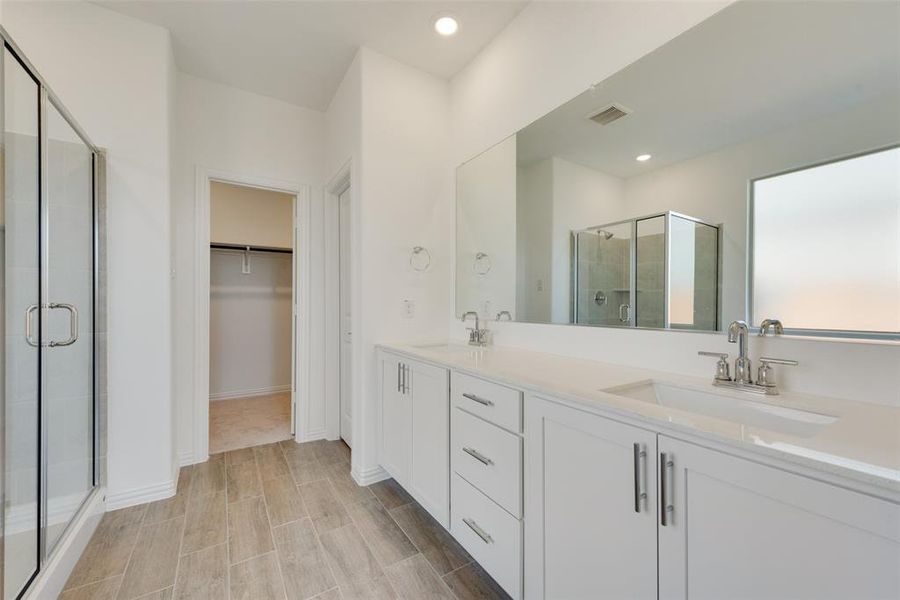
{"x":21,"y":324}
{"x":68,"y":298}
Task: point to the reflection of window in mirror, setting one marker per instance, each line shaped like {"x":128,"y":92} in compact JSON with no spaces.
{"x":826,"y":245}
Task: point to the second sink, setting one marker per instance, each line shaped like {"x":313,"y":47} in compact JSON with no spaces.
{"x":791,"y":421}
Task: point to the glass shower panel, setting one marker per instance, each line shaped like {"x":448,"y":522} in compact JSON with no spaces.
{"x":21,"y":295}
{"x":603,"y":276}
{"x":68,"y":366}
{"x":693,"y":274}
{"x":650,"y":287}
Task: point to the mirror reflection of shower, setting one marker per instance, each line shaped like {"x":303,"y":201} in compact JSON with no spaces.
{"x":656,"y":271}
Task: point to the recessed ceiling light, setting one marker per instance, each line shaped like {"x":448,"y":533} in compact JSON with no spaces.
{"x":446,"y":25}
{"x":642,"y":157}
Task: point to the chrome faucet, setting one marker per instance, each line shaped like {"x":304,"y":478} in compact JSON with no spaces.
{"x":477,"y":335}
{"x":773,"y":325}
{"x":738,"y":333}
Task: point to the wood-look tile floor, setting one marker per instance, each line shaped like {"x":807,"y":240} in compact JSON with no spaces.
{"x":243,"y":422}
{"x":278,"y":521}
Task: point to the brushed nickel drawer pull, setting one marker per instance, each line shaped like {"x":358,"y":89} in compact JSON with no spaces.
{"x":478,"y":456}
{"x":479,"y":531}
{"x":475,"y":398}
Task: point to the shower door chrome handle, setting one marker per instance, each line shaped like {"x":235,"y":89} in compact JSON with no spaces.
{"x":29,"y":314}
{"x":73,"y":323}
{"x":624,"y":309}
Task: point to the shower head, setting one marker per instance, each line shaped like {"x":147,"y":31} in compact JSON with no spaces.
{"x":605,"y":234}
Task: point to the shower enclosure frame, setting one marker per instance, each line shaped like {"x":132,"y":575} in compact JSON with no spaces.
{"x":98,"y":376}
{"x":632,"y":275}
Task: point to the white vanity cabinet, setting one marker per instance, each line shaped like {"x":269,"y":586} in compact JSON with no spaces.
{"x":740,"y":529}
{"x":712,"y":525}
{"x":415,"y":430}
{"x":590,"y":506}
{"x":562,"y":500}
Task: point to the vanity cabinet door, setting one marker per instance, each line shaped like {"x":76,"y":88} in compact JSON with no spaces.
{"x":430,"y":457}
{"x":588,"y":532}
{"x":739,"y":529}
{"x":396,"y":419}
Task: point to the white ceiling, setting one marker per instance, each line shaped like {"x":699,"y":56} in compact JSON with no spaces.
{"x":753,"y":68}
{"x":298,"y":51}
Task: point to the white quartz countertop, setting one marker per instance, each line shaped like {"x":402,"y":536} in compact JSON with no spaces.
{"x":862,"y":442}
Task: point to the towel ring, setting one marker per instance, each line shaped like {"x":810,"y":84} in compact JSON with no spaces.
{"x":420,"y":259}
{"x":482,"y":264}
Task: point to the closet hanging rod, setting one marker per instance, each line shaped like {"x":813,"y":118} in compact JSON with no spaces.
{"x":250,"y":248}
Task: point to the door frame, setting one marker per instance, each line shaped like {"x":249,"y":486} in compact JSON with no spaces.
{"x":338,"y":184}
{"x":300,"y":394}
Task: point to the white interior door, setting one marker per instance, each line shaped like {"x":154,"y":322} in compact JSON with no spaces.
{"x":346,"y":332}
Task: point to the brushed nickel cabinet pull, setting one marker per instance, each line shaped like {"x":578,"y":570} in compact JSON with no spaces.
{"x":487,"y":539}
{"x":667,"y":507}
{"x":640,"y":478}
{"x":478,"y":456}
{"x":475,"y":398}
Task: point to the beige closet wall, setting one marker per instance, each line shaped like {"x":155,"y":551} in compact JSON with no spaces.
{"x":249,"y":216}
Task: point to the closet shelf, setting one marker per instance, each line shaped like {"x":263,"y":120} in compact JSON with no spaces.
{"x":244,"y":248}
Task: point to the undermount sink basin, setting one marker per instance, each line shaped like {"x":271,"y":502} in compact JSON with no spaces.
{"x":753,"y":413}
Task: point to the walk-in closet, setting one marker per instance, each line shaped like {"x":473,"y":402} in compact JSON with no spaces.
{"x":251,"y":295}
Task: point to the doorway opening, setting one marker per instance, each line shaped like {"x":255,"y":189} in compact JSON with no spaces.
{"x":251,"y":316}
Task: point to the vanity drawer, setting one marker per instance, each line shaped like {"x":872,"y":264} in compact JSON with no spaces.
{"x":490,"y":534}
{"x":489,"y":458}
{"x":496,"y":403}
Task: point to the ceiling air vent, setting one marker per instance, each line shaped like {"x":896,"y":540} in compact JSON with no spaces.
{"x":609,"y":114}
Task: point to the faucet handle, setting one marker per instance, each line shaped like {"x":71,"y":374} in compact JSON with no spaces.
{"x":778,"y":361}
{"x":765,"y":375}
{"x":723,"y":373}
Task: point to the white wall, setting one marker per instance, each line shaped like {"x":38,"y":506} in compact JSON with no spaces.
{"x":249,"y":325}
{"x":249,"y":135}
{"x":114,"y":75}
{"x":403,"y":199}
{"x":250,"y":216}
{"x":549,"y":54}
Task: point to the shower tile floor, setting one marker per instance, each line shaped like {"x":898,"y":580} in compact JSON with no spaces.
{"x":282,"y":521}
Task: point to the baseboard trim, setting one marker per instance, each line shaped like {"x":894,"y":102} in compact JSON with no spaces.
{"x":159,"y":491}
{"x":54,"y":574}
{"x":186,"y":457}
{"x":276,"y":389}
{"x":370,"y":475}
{"x":311,"y":436}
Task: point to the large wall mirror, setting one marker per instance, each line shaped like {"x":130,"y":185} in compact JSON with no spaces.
{"x":737,"y":172}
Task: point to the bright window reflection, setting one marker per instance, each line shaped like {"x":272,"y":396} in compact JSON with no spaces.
{"x":826,"y":245}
